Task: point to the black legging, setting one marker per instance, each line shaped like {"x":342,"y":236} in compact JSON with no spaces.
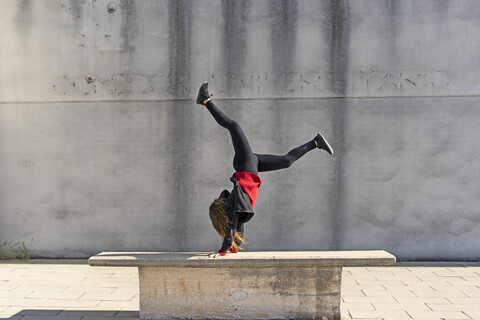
{"x":245,"y":159}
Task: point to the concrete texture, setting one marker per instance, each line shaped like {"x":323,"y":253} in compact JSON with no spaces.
{"x":260,"y":259}
{"x":103,"y":149}
{"x":240,"y":293}
{"x":251,"y":285}
{"x":58,"y":289}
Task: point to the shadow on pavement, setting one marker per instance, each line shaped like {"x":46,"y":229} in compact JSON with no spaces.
{"x":32,"y":314}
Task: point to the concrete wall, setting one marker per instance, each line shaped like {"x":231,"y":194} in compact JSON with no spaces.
{"x":129,"y":162}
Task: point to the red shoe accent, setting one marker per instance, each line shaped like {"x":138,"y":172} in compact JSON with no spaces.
{"x":232,"y":250}
{"x":222,"y":253}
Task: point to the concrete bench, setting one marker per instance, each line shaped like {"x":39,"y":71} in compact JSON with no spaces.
{"x":246,"y":285}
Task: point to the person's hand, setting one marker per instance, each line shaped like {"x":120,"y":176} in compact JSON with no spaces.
{"x":214,"y":255}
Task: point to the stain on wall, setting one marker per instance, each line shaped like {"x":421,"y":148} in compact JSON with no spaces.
{"x":179,"y":30}
{"x":392,"y":24}
{"x":24,"y":17}
{"x":129,"y":27}
{"x":338,"y":35}
{"x":337,"y":30}
{"x":181,"y":135}
{"x":234,"y":41}
{"x":283,"y":34}
{"x":283,"y":38}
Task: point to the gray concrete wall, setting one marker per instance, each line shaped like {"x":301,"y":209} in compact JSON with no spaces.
{"x":129,"y":162}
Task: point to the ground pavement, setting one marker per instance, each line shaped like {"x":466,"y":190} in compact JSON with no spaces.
{"x":72,"y":290}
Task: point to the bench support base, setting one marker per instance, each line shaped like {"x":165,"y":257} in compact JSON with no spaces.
{"x":246,"y":293}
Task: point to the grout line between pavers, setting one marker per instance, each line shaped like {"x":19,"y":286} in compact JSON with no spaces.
{"x":414,"y":293}
{"x":466,"y":314}
{"x":448,"y":300}
{"x":429,"y":307}
{"x":349,"y":314}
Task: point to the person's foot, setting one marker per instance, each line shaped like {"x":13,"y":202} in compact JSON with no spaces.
{"x":322,"y":143}
{"x":203,"y":93}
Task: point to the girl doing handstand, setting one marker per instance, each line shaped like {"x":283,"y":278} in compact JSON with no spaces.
{"x":231,"y":210}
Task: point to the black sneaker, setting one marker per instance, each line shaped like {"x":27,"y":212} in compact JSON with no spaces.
{"x":203,"y":93}
{"x":322,"y":143}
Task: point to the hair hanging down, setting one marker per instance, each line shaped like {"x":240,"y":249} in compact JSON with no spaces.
{"x":219,"y":218}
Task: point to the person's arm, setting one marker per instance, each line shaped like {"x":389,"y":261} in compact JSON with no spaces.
{"x":240,"y":228}
{"x":229,"y":235}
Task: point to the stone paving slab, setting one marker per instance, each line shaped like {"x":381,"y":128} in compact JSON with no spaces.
{"x":72,"y":290}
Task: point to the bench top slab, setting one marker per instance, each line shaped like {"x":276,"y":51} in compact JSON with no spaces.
{"x":244,"y":259}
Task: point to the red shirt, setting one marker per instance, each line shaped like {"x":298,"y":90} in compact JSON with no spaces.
{"x":250,"y":182}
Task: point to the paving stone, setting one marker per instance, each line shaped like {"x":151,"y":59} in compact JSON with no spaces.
{"x":401,"y":306}
{"x":11,"y":311}
{"x":464,"y":300}
{"x":119,"y":305}
{"x":474,"y":307}
{"x":427,"y":300}
{"x":433,"y":293}
{"x":401,"y":293}
{"x":452,"y":280}
{"x":88,"y":313}
{"x":50,"y":318}
{"x":39,"y":312}
{"x":464,"y":282}
{"x":87,"y":289}
{"x":381,"y":314}
{"x":366,"y":300}
{"x":54,"y":295}
{"x":355,"y":292}
{"x":108,"y":318}
{"x":97,"y":318}
{"x":125,"y":296}
{"x":127,"y":314}
{"x":9,"y":286}
{"x":357,"y":306}
{"x":70,"y":303}
{"x":446,"y":315}
{"x":48,"y":287}
{"x":21,"y":302}
{"x":349,"y":281}
{"x":472,"y":293}
{"x":14,"y":294}
{"x":475,"y":315}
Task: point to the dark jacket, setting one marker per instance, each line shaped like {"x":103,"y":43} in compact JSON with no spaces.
{"x":239,"y":211}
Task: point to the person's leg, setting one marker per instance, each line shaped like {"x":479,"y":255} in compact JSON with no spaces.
{"x":244,"y":159}
{"x":270,"y":162}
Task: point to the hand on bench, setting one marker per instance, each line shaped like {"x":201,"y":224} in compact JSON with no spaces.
{"x":214,"y":255}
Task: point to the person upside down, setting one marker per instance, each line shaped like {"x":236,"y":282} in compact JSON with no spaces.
{"x":231,"y":210}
